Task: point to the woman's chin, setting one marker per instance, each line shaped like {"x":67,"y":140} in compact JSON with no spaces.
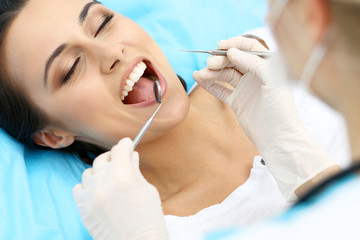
{"x":172,"y":115}
{"x":175,"y":112}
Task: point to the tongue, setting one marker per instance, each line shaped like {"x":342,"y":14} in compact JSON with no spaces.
{"x":142,"y":91}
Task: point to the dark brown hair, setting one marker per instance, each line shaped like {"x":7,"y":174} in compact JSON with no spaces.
{"x":18,"y":116}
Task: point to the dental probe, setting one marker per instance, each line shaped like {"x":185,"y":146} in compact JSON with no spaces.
{"x":219,"y":52}
{"x":157,"y":96}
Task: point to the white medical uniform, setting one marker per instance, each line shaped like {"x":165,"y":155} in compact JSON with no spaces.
{"x":256,"y":199}
{"x":333,"y":214}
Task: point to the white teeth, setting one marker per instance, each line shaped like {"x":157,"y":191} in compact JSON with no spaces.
{"x":125,"y":93}
{"x":134,"y":77}
{"x":127,"y":88}
{"x":130,"y":83}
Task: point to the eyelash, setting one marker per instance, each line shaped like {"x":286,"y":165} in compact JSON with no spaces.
{"x":104,"y":23}
{"x":71,"y":71}
{"x":73,"y":68}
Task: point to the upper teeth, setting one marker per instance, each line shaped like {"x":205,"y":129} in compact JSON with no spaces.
{"x":134,"y":77}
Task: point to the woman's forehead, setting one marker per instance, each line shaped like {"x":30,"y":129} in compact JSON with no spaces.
{"x":47,"y":17}
{"x":37,"y":31}
{"x":45,"y":8}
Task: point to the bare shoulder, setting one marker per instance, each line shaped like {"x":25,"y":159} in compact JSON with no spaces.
{"x":214,"y":109}
{"x":202,"y":99}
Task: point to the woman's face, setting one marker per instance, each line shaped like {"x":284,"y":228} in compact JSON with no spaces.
{"x":77,"y":60}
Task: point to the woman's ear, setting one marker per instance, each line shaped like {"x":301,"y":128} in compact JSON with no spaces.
{"x":54,"y":138}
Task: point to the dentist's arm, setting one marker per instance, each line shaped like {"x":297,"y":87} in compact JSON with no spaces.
{"x":266,"y":110}
{"x":116,"y":202}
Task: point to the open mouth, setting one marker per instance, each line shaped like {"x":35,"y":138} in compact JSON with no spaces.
{"x":138,"y":87}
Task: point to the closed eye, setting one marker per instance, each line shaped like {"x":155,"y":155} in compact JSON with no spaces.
{"x":104,"y":23}
{"x":71,"y":71}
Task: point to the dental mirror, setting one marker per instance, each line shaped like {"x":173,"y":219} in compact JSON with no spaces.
{"x":157,"y":96}
{"x":157,"y":91}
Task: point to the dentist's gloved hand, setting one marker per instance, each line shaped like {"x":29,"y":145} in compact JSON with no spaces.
{"x":116,"y":202}
{"x":266,"y":110}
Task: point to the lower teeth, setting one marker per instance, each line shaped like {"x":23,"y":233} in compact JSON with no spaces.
{"x":148,"y":98}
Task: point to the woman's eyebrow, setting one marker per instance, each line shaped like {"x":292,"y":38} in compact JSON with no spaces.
{"x":61,"y":48}
{"x":85,"y":11}
{"x":54,"y":55}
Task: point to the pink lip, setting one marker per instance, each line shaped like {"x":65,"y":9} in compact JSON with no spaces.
{"x":162,"y":81}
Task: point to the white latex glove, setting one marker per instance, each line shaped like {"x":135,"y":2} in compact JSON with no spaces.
{"x":266,"y":110}
{"x":116,"y":202}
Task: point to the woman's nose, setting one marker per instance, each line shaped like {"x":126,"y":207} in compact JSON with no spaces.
{"x":109,"y":56}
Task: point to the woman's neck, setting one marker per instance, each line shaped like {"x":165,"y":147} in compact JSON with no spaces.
{"x":207,"y":145}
